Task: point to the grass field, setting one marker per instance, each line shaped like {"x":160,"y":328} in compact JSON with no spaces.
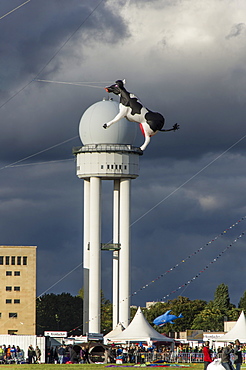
{"x":90,"y":366}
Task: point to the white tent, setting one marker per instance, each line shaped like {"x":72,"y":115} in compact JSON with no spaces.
{"x":116,"y":331}
{"x":140,"y":330}
{"x":237,"y":332}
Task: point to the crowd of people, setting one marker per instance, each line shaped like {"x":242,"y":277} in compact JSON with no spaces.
{"x":231,"y":356}
{"x":14,"y":354}
{"x":67,"y":354}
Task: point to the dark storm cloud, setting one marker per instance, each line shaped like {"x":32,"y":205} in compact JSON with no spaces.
{"x":36,"y":32}
{"x":32,"y":36}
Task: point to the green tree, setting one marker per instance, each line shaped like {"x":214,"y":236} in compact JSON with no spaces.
{"x":106,"y":315}
{"x":133,"y":311}
{"x":242,"y":302}
{"x":233,"y":314}
{"x":222,"y":298}
{"x":184,"y":305}
{"x":59,"y":312}
{"x":216,"y":312}
{"x":209,"y":319}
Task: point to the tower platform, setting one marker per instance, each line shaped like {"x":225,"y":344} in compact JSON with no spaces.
{"x":107,"y":161}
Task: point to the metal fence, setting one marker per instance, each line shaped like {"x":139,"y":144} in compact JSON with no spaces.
{"x":175,"y":357}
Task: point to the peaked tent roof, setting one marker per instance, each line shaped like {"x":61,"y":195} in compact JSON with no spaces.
{"x":116,"y":331}
{"x":140,"y":330}
{"x":237,"y":332}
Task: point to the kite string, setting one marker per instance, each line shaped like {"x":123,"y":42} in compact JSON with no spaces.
{"x":11,"y":11}
{"x":54,"y":55}
{"x":41,"y":163}
{"x":62,"y":278}
{"x":189,"y":256}
{"x":195,"y":277}
{"x":189,"y":281}
{"x":45,"y":291}
{"x":205,"y":268}
{"x":188,"y":180}
{"x":41,"y":151}
{"x":82,"y":84}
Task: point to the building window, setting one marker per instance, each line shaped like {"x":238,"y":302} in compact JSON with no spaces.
{"x":107,"y":166}
{"x":19,"y":260}
{"x":17,"y":273}
{"x":119,"y":166}
{"x":16,"y":300}
{"x":101,"y":166}
{"x":8,"y":288}
{"x":12,"y":331}
{"x":13,"y":260}
{"x":125,"y":167}
{"x":8,"y":273}
{"x":8,"y":301}
{"x":1,"y":260}
{"x":7,"y":260}
{"x":17,"y":288}
{"x":24,"y":260}
{"x":13,"y":314}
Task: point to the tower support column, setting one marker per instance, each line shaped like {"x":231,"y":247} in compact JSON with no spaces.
{"x":86,"y":255}
{"x":95,"y":256}
{"x":116,"y":207}
{"x":124,"y":262}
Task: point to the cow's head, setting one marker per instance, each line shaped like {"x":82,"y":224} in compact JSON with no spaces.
{"x":116,"y":88}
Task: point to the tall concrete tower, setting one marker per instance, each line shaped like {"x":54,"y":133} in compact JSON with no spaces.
{"x":106,"y":155}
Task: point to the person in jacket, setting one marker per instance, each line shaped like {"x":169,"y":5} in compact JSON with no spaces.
{"x":38,"y":354}
{"x":226,"y":357}
{"x":238,"y":358}
{"x":207,"y":359}
{"x":61,"y":353}
{"x":30,"y":354}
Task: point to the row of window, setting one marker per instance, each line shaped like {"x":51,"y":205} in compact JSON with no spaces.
{"x":114,"y":167}
{"x":9,"y":288}
{"x":11,"y":314}
{"x":111,"y":167}
{"x":13,"y":260}
{"x":9,"y":301}
{"x":9,"y":273}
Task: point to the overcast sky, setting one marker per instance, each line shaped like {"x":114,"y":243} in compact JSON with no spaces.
{"x":183,"y":58}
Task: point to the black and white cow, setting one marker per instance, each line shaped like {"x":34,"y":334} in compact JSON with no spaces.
{"x":132,"y":109}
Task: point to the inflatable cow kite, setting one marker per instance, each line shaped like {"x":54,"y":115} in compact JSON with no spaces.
{"x":132,"y":109}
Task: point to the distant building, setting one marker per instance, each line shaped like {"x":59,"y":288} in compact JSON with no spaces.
{"x":149,"y":304}
{"x":228,"y":325}
{"x":18,"y":290}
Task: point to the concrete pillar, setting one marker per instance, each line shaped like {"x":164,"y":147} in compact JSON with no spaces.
{"x":116,"y":206}
{"x":86,"y":255}
{"x":95,"y":256}
{"x":124,"y":260}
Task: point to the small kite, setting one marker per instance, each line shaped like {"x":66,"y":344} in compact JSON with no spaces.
{"x":166,"y":318}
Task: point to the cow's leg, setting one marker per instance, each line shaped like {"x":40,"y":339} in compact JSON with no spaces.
{"x":146,"y":142}
{"x":121,"y":114}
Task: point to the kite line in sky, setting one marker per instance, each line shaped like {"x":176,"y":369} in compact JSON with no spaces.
{"x":13,"y":10}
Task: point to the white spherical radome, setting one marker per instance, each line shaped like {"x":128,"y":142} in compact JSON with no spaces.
{"x":91,"y":129}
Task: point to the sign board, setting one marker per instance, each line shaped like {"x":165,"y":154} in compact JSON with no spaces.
{"x":95,"y":336}
{"x":55,"y":334}
{"x":194,"y":334}
{"x":212,"y":335}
